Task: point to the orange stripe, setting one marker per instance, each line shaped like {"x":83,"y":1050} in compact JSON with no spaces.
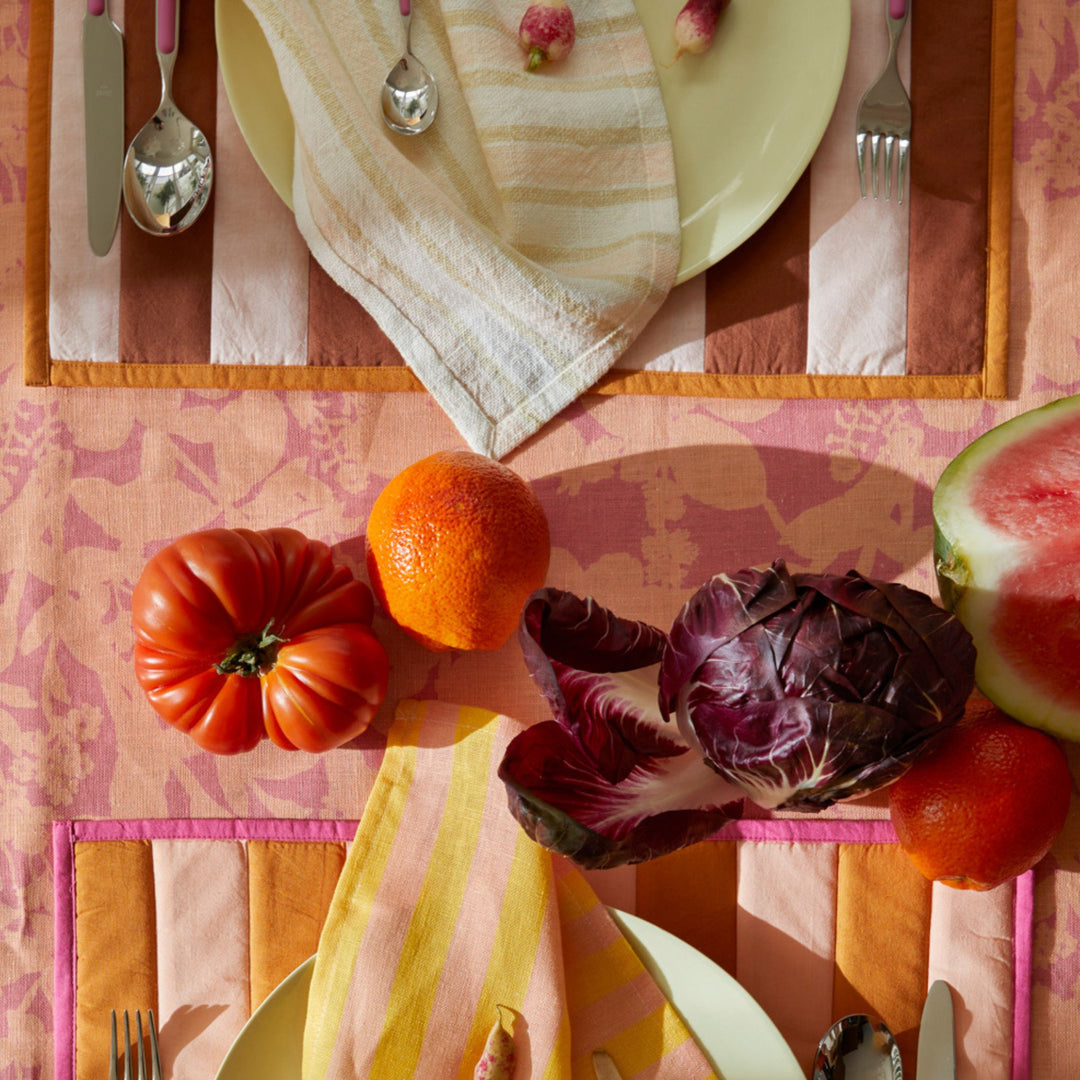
{"x":882,"y":938}
{"x":340,"y":332}
{"x":290,"y":885}
{"x":116,"y":940}
{"x":1003,"y":71}
{"x":36,"y":282}
{"x":757,"y":298}
{"x":165,"y":283}
{"x":949,"y":183}
{"x":693,"y":894}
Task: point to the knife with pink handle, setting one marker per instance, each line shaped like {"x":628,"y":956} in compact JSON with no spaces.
{"x":103,"y":99}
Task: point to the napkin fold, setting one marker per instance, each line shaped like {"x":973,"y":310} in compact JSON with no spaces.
{"x":445,"y":910}
{"x":514,"y":250}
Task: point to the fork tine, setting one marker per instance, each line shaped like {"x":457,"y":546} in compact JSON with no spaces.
{"x":890,"y":144}
{"x":155,"y":1057}
{"x":905,"y":146}
{"x":875,"y":143}
{"x":142,"y":1045}
{"x":127,"y":1047}
{"x":860,"y":153}
{"x":113,"y":1057}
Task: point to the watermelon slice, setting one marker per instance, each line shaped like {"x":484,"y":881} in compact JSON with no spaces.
{"x":1007,"y":555}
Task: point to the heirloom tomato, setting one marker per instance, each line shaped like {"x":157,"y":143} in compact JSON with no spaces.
{"x":240,"y":635}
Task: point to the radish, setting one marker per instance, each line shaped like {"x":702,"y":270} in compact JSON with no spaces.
{"x":695,"y":25}
{"x":497,"y":1060}
{"x":546,"y":32}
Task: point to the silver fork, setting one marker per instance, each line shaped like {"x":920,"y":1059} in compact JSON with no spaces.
{"x":885,"y":114}
{"x":155,"y":1058}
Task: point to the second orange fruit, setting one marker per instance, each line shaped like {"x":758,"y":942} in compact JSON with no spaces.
{"x":984,"y":804}
{"x":456,"y":543}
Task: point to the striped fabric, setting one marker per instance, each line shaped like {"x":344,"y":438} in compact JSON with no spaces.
{"x":832,"y":297}
{"x":816,"y":918}
{"x":445,"y":909}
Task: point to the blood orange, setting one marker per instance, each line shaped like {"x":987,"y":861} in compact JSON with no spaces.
{"x":1007,"y":554}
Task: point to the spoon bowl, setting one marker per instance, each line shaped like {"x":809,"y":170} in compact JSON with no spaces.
{"x":410,"y":96}
{"x":858,"y":1047}
{"x":168,"y":169}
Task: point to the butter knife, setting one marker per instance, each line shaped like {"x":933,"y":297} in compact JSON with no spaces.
{"x":937,"y":1037}
{"x":103,"y":96}
{"x":603,"y":1065}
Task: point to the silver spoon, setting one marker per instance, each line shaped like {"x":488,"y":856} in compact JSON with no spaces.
{"x":409,"y":95}
{"x":858,"y":1047}
{"x":168,"y":170}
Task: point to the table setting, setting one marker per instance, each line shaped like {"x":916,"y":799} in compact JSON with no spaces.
{"x":513,"y":511}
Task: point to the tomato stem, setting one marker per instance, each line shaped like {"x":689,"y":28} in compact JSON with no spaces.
{"x":252,"y":654}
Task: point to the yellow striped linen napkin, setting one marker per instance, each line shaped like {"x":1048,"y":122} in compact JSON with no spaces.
{"x":514,"y":250}
{"x":445,"y":910}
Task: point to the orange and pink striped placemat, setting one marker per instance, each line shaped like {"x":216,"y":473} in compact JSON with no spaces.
{"x":833,"y":297}
{"x":816,"y":918}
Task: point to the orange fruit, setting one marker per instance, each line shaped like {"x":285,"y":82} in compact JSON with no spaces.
{"x":456,"y":543}
{"x":985,"y":803}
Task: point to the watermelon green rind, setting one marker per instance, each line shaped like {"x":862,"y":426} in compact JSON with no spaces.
{"x":973,"y":558}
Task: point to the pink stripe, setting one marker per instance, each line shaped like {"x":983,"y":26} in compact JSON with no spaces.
{"x":64,"y":950}
{"x":1023,"y":919}
{"x":214,"y":829}
{"x":811,"y":830}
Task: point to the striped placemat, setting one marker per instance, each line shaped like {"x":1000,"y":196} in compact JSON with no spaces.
{"x":815,"y":918}
{"x":832,"y":297}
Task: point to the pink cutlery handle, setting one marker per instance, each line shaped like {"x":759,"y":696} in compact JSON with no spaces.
{"x":406,"y":7}
{"x":95,"y":7}
{"x":897,"y":9}
{"x":166,"y":26}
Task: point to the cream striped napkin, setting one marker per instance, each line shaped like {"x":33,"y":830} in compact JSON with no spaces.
{"x":514,"y":250}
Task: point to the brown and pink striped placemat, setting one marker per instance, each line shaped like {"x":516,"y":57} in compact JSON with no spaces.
{"x":816,"y":918}
{"x":832,"y":297}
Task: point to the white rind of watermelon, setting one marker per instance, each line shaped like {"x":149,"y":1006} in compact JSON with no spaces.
{"x":1007,"y":556}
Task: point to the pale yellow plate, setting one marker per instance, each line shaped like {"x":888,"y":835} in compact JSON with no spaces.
{"x":739,"y":1039}
{"x":745,"y":117}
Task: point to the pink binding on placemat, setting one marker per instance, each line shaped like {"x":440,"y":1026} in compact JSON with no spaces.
{"x":853,"y":831}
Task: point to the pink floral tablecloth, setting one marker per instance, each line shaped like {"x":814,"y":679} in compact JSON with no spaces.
{"x":647,"y":497}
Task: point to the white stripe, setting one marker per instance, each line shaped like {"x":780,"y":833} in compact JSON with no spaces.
{"x":84,"y":289}
{"x":201,"y":902}
{"x":674,"y":340}
{"x":859,"y":248}
{"x":260,"y":279}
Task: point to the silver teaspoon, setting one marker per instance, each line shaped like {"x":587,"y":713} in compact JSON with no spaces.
{"x":858,"y":1047}
{"x":409,"y":95}
{"x":168,"y":170}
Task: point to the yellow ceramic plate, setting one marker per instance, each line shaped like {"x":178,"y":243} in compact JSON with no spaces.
{"x":739,"y":1039}
{"x":745,"y":117}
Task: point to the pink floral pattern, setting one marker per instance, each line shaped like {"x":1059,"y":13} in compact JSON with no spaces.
{"x":646,"y":496}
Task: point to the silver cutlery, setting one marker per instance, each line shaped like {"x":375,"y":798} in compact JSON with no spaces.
{"x":884,"y":114}
{"x":937,"y":1037}
{"x":140,"y":1043}
{"x":103,"y":99}
{"x":168,"y":170}
{"x":410,"y":96}
{"x":858,"y":1047}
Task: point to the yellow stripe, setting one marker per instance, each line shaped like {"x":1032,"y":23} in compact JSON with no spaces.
{"x":351,"y":906}
{"x":590,"y":978}
{"x":437,"y":910}
{"x":637,"y":1047}
{"x":517,"y":941}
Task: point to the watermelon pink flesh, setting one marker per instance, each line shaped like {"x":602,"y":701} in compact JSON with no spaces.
{"x":1030,"y":490}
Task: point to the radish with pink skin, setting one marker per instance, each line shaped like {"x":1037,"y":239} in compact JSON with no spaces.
{"x":546,"y":32}
{"x":695,"y":25}
{"x":497,"y":1060}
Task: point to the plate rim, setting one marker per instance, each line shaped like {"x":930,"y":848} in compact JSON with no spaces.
{"x":778,"y":1062}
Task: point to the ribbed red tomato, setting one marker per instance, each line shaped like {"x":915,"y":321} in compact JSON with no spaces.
{"x":241,"y":635}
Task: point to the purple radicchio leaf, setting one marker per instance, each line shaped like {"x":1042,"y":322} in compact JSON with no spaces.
{"x":608,"y":781}
{"x":805,"y":689}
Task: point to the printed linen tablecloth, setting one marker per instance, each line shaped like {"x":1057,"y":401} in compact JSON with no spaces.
{"x":815,"y":918}
{"x":832,"y":297}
